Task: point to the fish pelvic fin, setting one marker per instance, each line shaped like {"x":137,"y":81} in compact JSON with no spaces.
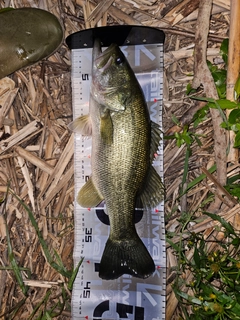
{"x":89,"y":196}
{"x":152,"y":192}
{"x":125,"y":257}
{"x":81,"y":125}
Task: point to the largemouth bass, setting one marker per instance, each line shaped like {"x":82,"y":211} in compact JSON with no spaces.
{"x":124,"y":141}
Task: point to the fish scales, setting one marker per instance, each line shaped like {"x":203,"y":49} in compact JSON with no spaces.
{"x":123,"y":142}
{"x":119,"y":168}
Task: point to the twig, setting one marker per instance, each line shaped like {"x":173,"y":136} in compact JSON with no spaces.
{"x":223,"y":3}
{"x":60,"y":167}
{"x":182,"y":10}
{"x":30,"y":128}
{"x":233,"y":67}
{"x":203,"y":76}
{"x":99,"y":11}
{"x":172,"y":56}
{"x":221,"y":189}
{"x":43,"y":165}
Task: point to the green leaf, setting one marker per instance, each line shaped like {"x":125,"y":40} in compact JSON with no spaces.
{"x":175,"y":120}
{"x":200,"y":115}
{"x":237,"y":87}
{"x":233,"y":189}
{"x":221,"y":91}
{"x":211,"y":67}
{"x":232,"y":179}
{"x":236,"y":242}
{"x":237,"y":127}
{"x":234,"y":116}
{"x":169,"y":137}
{"x":187,"y":138}
{"x":224,"y":50}
{"x":190,"y":89}
{"x":203,"y":99}
{"x":223,"y":222}
{"x":174,"y":245}
{"x":226,"y":104}
{"x":223,"y":104}
{"x":188,"y":297}
{"x":219,"y":77}
{"x":225,"y":125}
{"x":236,"y":311}
{"x":237,"y":140}
{"x":196,"y":257}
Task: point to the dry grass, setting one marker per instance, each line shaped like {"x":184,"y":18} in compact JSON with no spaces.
{"x":36,"y":148}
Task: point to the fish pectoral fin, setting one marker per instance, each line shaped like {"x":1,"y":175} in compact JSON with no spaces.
{"x":152,"y":192}
{"x":82,"y":125}
{"x":126,"y":257}
{"x":89,"y":196}
{"x":106,"y":126}
{"x":155,"y":139}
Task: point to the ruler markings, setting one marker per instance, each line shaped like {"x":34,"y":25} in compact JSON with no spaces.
{"x":91,"y":295}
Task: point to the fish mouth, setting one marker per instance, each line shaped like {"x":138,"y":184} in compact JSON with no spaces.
{"x":103,"y":60}
{"x":97,"y":50}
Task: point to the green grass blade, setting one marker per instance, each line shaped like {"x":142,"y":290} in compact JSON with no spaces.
{"x":13,"y":261}
{"x":41,"y":240}
{"x":185,"y":171}
{"x":175,"y":246}
{"x":223,"y":222}
{"x":74,"y":274}
{"x":45,"y":298}
{"x":198,"y":179}
{"x":10,"y":314}
{"x":60,"y":263}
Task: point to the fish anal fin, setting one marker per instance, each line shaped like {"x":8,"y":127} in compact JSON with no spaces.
{"x":88,"y":196}
{"x":82,"y":125}
{"x":152,"y":192}
{"x":125,"y":257}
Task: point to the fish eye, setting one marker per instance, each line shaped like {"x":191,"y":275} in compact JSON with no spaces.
{"x":119,"y":60}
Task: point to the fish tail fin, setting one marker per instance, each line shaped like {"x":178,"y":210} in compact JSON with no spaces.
{"x":126,"y":257}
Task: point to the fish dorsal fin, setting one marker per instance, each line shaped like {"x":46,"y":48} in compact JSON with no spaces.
{"x":155,"y":139}
{"x":82,"y":125}
{"x":152,"y":192}
{"x":106,"y":126}
{"x":89,"y":196}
